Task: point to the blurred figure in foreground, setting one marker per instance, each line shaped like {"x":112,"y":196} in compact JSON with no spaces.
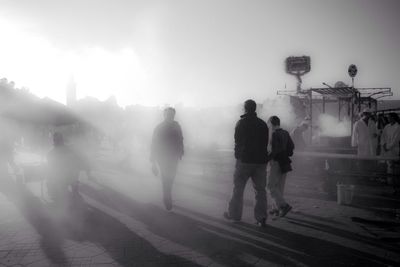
{"x":64,"y":166}
{"x":6,"y":147}
{"x":297,"y":136}
{"x":166,"y":151}
{"x":364,"y":135}
{"x":279,"y":165}
{"x":251,"y":152}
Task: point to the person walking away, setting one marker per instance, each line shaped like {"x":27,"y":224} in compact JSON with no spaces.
{"x":279,"y":165}
{"x":251,"y":152}
{"x":166,"y":151}
{"x":390,"y":147}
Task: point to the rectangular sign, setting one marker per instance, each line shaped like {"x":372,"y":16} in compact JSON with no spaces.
{"x":298,"y":64}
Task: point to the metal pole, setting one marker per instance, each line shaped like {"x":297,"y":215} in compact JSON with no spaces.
{"x":352,"y":115}
{"x":311,"y":118}
{"x":323,"y":104}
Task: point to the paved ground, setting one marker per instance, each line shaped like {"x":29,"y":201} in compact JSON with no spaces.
{"x":120,"y":221}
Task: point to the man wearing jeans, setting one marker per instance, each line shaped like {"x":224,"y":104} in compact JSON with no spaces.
{"x":278,"y":166}
{"x":251,"y":142}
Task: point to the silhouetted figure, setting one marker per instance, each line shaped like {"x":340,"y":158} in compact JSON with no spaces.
{"x":278,"y":166}
{"x":251,"y":153}
{"x":166,"y":151}
{"x":64,"y":166}
{"x":297,"y":136}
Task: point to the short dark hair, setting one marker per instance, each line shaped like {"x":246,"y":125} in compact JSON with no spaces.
{"x":170,"y":109}
{"x":275,"y":121}
{"x":250,"y":106}
{"x":394,"y":116}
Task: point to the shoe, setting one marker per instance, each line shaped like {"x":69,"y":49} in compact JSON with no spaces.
{"x":262,"y":223}
{"x":285,"y":210}
{"x":229,"y":217}
{"x":274,"y":212}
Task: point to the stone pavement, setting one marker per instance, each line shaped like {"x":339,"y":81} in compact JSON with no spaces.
{"x":120,"y":221}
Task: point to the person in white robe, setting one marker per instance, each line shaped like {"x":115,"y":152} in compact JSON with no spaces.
{"x":363,"y":135}
{"x":373,"y":130}
{"x":391,"y":148}
{"x":391,"y":136}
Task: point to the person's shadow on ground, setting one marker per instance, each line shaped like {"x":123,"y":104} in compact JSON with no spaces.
{"x":318,"y":252}
{"x":84,"y":223}
{"x":231,"y":248}
{"x":221,"y":246}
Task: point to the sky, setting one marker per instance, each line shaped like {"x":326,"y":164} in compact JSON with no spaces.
{"x":197,"y":53}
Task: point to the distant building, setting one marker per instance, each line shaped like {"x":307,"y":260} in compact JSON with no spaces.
{"x":71,"y":92}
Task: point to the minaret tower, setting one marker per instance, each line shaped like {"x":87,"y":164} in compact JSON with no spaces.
{"x":71,"y":92}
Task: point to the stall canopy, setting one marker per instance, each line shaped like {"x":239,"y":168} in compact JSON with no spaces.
{"x":354,"y":98}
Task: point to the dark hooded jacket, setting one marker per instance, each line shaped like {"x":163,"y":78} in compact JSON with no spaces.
{"x":251,"y":139}
{"x":282,"y":148}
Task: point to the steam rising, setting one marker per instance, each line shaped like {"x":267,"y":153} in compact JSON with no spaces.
{"x":281,"y":107}
{"x":332,"y":127}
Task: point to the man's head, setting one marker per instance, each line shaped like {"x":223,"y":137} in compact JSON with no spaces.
{"x":393,"y":118}
{"x":58,"y":139}
{"x":169,"y":114}
{"x":274,"y":121}
{"x":250,"y":106}
{"x":366,"y":114}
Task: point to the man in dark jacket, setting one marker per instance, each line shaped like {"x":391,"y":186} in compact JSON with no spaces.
{"x":279,"y":165}
{"x":166,"y":151}
{"x":251,"y":142}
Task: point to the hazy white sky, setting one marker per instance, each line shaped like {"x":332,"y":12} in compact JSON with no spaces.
{"x":204,"y":52}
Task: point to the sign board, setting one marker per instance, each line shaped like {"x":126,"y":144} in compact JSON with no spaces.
{"x":298,"y":65}
{"x":352,"y":70}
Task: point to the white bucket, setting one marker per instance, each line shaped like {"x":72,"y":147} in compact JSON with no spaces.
{"x":345,"y":194}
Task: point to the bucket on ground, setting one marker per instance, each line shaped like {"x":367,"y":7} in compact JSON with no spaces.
{"x":345,"y":194}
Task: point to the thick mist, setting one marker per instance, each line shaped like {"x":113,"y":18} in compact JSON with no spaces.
{"x":102,"y":133}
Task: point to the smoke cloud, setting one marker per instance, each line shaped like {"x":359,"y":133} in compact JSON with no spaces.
{"x":332,"y":127}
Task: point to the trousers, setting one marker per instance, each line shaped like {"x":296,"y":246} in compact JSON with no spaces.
{"x":258,"y":175}
{"x":168,"y":169}
{"x":276,"y":184}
